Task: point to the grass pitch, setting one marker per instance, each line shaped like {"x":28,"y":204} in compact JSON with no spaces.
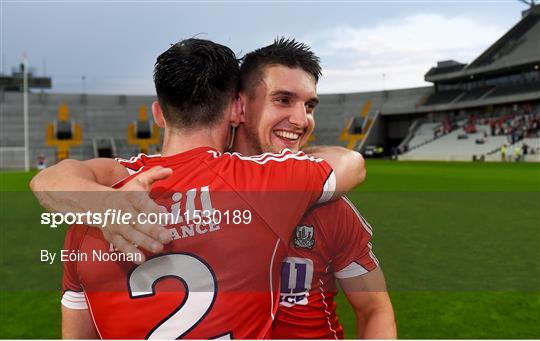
{"x":458,"y":242}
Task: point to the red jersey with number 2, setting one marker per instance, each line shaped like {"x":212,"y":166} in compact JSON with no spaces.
{"x":216,"y":279}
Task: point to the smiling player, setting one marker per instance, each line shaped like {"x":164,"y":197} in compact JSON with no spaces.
{"x":278,"y":92}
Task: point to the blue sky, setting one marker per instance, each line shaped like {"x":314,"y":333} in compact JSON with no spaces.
{"x":113,"y":44}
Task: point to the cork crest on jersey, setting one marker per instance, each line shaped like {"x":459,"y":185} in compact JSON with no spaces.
{"x":304,"y":237}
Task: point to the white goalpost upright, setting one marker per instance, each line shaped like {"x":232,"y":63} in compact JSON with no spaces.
{"x":25,"y":115}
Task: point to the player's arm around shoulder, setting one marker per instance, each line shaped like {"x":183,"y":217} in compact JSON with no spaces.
{"x":61,"y":188}
{"x":348,"y":165}
{"x":50,"y":185}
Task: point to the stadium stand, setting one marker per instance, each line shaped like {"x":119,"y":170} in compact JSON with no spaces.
{"x":515,"y":89}
{"x":100,"y":116}
{"x":443,"y":97}
{"x":508,"y":71}
{"x":519,"y":43}
{"x":533,"y":151}
{"x":476,"y":94}
{"x":419,"y":123}
{"x":502,"y":85}
{"x":143,"y":133}
{"x":473,"y":140}
{"x":446,"y":66}
{"x":64,"y":133}
{"x":335,"y":110}
{"x":104,"y":147}
{"x":424,"y":134}
{"x":452,"y":148}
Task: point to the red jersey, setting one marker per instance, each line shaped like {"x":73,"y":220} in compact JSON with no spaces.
{"x":332,"y":241}
{"x":214,"y":280}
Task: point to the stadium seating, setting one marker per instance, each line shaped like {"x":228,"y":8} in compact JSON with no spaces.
{"x":450,"y":148}
{"x":403,"y":100}
{"x":424,"y":134}
{"x":107,"y":116}
{"x":475,"y":94}
{"x":477,"y":143}
{"x":336,"y":109}
{"x":104,"y":147}
{"x":443,"y":97}
{"x":100,"y":116}
{"x":63,"y":130}
{"x":533,"y":154}
{"x":515,"y":89}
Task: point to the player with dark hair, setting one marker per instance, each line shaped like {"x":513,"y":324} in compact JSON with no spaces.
{"x":195,"y":81}
{"x":214,"y":279}
{"x":261,"y":74}
{"x":333,"y":240}
{"x":284,"y":52}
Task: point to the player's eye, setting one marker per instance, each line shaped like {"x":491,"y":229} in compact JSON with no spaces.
{"x":283,"y":100}
{"x":310,"y":107}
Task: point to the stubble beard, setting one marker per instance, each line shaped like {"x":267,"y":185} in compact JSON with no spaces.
{"x":253,"y":140}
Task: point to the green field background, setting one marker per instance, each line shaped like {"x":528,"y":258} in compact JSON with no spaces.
{"x":459,"y":244}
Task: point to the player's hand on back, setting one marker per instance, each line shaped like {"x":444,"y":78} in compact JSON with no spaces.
{"x":127,"y":238}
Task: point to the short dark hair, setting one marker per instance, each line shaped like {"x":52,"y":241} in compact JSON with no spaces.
{"x":195,"y":79}
{"x":286,"y":52}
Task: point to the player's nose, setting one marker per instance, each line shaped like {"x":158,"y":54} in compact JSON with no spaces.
{"x":298,"y":117}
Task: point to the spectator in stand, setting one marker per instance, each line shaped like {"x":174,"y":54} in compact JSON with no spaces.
{"x":41,"y":162}
{"x":517,"y":153}
{"x":525,"y":149}
{"x":395,"y":152}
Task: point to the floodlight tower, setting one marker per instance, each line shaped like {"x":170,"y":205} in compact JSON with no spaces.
{"x":530,"y":3}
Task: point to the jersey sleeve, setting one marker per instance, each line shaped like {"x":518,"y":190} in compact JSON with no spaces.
{"x":281,"y":187}
{"x":134,"y":164}
{"x":73,"y":296}
{"x":353,"y":254}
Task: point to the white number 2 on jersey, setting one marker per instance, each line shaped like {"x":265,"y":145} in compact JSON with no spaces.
{"x":200,"y":285}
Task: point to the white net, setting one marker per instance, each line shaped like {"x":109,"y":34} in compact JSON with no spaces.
{"x":12,"y":158}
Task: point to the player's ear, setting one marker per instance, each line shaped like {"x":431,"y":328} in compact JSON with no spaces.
{"x":242,"y":97}
{"x":158,"y":115}
{"x":235,"y":113}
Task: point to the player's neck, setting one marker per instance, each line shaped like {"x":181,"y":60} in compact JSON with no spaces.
{"x":175,"y":142}
{"x":242,"y":143}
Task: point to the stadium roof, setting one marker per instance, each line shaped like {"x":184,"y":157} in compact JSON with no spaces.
{"x":518,"y":47}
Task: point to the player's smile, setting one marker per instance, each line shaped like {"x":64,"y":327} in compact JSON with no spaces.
{"x":287,"y":138}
